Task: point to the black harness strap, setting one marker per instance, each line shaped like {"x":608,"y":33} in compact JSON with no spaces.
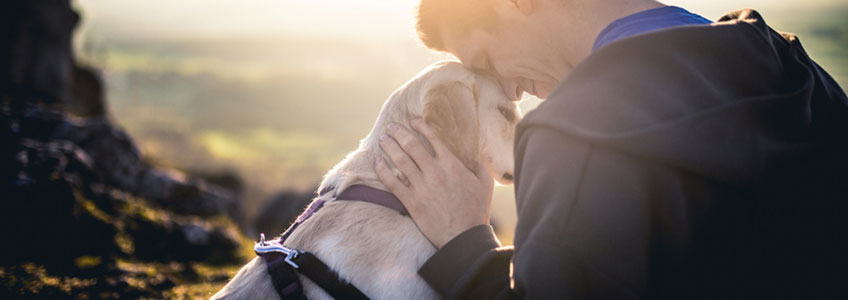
{"x":283,"y":276}
{"x":284,"y":263}
{"x":283,"y":269}
{"x":323,"y":276}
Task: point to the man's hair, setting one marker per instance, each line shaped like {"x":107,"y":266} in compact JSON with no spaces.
{"x":459,"y":16}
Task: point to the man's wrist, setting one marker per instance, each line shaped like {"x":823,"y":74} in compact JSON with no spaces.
{"x":452,"y":233}
{"x":450,"y":262}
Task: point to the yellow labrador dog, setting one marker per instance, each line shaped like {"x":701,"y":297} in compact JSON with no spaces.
{"x":374,"y":247}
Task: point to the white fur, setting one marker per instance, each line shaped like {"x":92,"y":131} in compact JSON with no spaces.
{"x":376,"y":248}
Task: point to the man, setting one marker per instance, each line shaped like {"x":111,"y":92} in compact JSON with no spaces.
{"x":672,"y":159}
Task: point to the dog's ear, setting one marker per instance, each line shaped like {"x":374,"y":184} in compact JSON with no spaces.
{"x":451,"y":110}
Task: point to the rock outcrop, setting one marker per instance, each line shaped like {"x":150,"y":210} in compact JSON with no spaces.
{"x":83,"y":216}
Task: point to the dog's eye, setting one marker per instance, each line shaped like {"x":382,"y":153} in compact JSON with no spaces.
{"x":507,"y":114}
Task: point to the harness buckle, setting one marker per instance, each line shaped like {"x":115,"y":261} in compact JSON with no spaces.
{"x":292,"y":254}
{"x":263,"y":247}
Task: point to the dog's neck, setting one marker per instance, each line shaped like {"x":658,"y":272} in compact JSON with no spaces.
{"x":358,"y":167}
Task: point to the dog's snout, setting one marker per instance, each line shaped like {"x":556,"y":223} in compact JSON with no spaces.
{"x":507,"y":177}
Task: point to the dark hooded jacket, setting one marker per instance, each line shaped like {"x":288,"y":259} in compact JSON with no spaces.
{"x":696,"y":162}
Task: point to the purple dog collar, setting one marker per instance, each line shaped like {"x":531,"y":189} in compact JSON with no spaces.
{"x":372,"y":195}
{"x":357,"y":192}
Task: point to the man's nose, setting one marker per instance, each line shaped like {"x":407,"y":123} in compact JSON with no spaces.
{"x":511,"y":89}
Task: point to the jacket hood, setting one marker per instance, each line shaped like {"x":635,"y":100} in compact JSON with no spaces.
{"x":727,"y":101}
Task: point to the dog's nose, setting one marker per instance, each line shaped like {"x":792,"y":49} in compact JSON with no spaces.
{"x":507,"y":177}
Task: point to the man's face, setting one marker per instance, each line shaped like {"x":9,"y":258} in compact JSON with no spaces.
{"x":520,"y":53}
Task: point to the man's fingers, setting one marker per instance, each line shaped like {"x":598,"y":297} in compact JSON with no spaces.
{"x":391,"y":181}
{"x":400,"y":158}
{"x":444,"y":155}
{"x":428,"y":132}
{"x":411,"y":145}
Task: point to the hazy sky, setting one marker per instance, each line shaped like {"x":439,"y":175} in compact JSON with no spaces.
{"x":375,"y":18}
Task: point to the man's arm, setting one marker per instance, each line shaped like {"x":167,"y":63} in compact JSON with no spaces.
{"x":583,"y":226}
{"x":580,"y":232}
{"x":548,"y":174}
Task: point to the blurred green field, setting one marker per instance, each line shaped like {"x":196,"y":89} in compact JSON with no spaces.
{"x":219,"y":88}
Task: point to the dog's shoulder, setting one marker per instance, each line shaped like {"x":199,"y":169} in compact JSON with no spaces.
{"x":374,"y":247}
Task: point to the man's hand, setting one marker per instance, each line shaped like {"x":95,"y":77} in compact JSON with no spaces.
{"x":443,"y":197}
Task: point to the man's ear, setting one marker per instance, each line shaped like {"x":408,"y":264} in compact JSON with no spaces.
{"x":451,"y":110}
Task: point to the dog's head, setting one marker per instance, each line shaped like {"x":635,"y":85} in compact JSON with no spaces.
{"x":472,"y":116}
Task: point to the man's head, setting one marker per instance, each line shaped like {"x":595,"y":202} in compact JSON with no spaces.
{"x":504,"y":38}
{"x":529,"y":45}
